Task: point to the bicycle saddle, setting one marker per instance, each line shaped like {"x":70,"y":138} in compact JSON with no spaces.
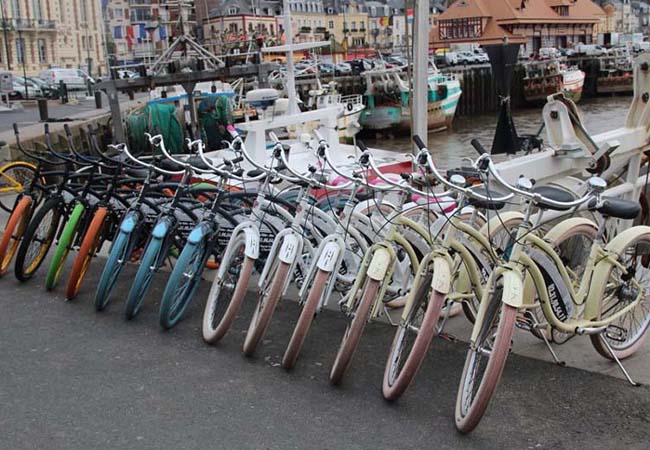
{"x":617,"y":207}
{"x":486,"y":204}
{"x":194,"y":161}
{"x":553,"y":193}
{"x":136,"y":173}
{"x":257,"y":172}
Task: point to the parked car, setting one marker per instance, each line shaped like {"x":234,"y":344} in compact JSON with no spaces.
{"x":360,"y":65}
{"x":548,"y":53}
{"x":467,"y":58}
{"x":641,"y":46}
{"x":326,"y":68}
{"x":481,"y":56}
{"x":590,"y":50}
{"x":342,"y":69}
{"x":75,"y":79}
{"x":450,"y":58}
{"x":396,"y":60}
{"x":126,"y":73}
{"x":22,"y":90}
{"x":47,"y":91}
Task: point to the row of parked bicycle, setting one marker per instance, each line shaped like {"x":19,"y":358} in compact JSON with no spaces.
{"x":381,"y":245}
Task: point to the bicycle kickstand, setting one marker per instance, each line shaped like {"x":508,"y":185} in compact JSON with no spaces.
{"x":620,"y":365}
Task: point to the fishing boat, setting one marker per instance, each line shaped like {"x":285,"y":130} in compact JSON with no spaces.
{"x":387,"y":100}
{"x":544,"y":78}
{"x":616,"y":72}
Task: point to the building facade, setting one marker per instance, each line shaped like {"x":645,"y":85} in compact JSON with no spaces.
{"x":533,"y":23}
{"x":137,"y":30}
{"x":41,"y":34}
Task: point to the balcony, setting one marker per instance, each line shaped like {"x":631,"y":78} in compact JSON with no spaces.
{"x":21,"y":24}
{"x":305,"y":29}
{"x":142,"y":3}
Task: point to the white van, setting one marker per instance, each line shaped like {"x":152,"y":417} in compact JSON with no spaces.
{"x":590,"y":50}
{"x":74,"y":79}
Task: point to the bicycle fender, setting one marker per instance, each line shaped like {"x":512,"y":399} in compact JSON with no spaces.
{"x":160,"y":230}
{"x":379,"y":264}
{"x":129,"y":223}
{"x":252,"y":248}
{"x":197,"y":234}
{"x":289,"y":249}
{"x":513,"y":288}
{"x":329,"y":257}
{"x":441,"y":281}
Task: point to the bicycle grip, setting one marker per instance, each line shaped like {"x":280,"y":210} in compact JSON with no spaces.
{"x":419,"y":142}
{"x":478,"y":146}
{"x":237,"y":160}
{"x":15,"y":128}
{"x":362,"y":146}
{"x":46,"y":128}
{"x":67,"y":130}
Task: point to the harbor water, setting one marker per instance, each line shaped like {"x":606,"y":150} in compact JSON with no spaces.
{"x":450,"y":147}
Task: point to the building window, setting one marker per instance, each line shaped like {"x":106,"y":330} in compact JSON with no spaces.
{"x":232,"y":11}
{"x":61,"y":11}
{"x":354,"y":26}
{"x":38,"y":11}
{"x":42,"y":51}
{"x":20,"y":50}
{"x":466,"y":28}
{"x":15,"y":8}
{"x":117,"y":32}
{"x":331,"y":24}
{"x":119,"y":13}
{"x":83,"y":42}
{"x":82,"y":10}
{"x":232,"y":27}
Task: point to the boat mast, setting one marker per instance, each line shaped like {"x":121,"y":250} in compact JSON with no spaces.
{"x":420,"y":73}
{"x":292,"y":107}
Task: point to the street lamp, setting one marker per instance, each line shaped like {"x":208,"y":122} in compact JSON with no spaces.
{"x":151,"y":28}
{"x":22,"y":48}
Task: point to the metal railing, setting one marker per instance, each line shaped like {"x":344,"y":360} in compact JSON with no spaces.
{"x":28,"y":24}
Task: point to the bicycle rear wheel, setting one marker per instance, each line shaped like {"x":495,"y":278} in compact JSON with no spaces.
{"x":182,"y":284}
{"x":38,"y":238}
{"x":486,"y":359}
{"x":626,"y":334}
{"x":226,"y":295}
{"x":354,"y":330}
{"x":63,"y":247}
{"x":146,"y":270}
{"x":269,"y":296}
{"x":13,"y":179}
{"x":89,"y":246}
{"x":14,"y":232}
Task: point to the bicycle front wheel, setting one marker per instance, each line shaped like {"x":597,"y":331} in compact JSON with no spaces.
{"x":13,"y":179}
{"x":38,"y":238}
{"x":354,"y":330}
{"x":306,"y":318}
{"x":146,"y":270}
{"x":117,"y":257}
{"x":63,"y":247}
{"x":486,"y":359}
{"x":269,"y":297}
{"x":13,"y":232}
{"x":411,"y":343}
{"x":89,"y":246}
{"x":227,"y":294}
{"x":182,"y":284}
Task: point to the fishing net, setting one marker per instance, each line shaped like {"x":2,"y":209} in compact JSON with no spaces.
{"x":155,"y":119}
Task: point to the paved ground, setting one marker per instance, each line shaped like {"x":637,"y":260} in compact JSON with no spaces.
{"x":71,"y":378}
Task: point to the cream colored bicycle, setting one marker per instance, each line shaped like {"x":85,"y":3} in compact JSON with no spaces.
{"x":608,"y":302}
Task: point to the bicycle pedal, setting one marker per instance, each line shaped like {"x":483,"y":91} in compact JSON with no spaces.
{"x":448,"y":337}
{"x":616,"y":333}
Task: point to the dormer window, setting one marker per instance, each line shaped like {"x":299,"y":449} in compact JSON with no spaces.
{"x":232,"y":10}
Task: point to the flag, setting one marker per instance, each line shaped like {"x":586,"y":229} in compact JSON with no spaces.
{"x":383,"y":21}
{"x":129,"y":36}
{"x":142,"y":33}
{"x":162,"y":32}
{"x":409,"y":15}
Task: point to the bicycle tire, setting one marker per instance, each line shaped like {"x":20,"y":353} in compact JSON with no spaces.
{"x":117,"y":257}
{"x":467,"y":417}
{"x":14,"y":184}
{"x":24,"y":270}
{"x":397,"y":378}
{"x":354,"y":330}
{"x":89,"y":246}
{"x":265,"y":307}
{"x":13,"y":232}
{"x":212,"y":333}
{"x":63,"y":246}
{"x":140,"y":286}
{"x":305,"y":320}
{"x":625,"y":349}
{"x":177,"y":296}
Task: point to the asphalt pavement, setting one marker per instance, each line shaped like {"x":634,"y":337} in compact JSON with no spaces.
{"x":71,"y":378}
